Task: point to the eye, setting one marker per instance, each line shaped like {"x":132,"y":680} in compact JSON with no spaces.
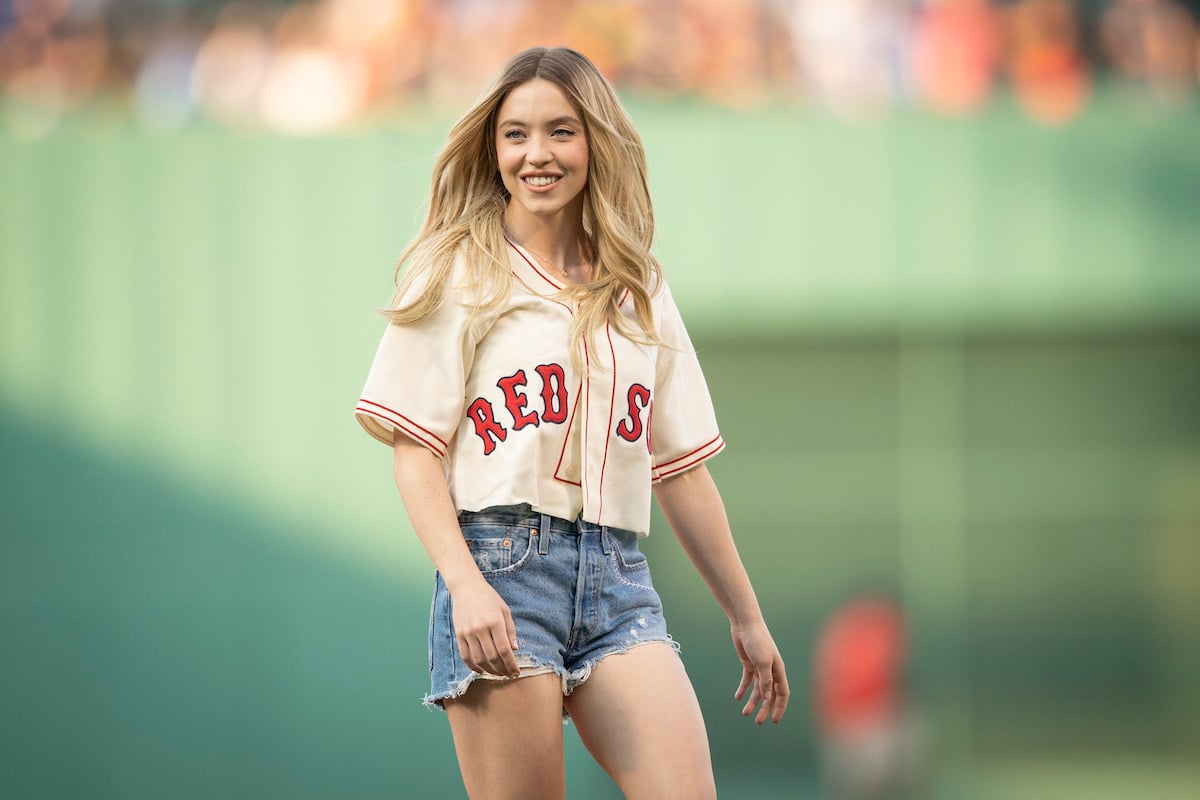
{"x":513,"y":134}
{"x":563,"y":133}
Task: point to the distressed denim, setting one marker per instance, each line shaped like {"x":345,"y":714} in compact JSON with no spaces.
{"x":577,"y":592}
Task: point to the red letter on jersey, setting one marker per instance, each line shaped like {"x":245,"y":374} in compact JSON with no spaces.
{"x":486,"y":426}
{"x":630,"y":428}
{"x":515,"y":401}
{"x":554,"y":397}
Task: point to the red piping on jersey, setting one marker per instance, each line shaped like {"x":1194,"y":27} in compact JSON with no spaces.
{"x":563,"y":452}
{"x":421,"y":434}
{"x":534,"y":266}
{"x":587,"y":413}
{"x":709,"y":448}
{"x":539,"y":272}
{"x":534,"y":292}
{"x":612,"y":402}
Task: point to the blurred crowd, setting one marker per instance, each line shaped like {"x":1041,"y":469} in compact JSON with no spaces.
{"x":318,"y":65}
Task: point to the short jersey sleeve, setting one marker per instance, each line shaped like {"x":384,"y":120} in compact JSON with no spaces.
{"x":683,"y":425}
{"x":417,"y":381}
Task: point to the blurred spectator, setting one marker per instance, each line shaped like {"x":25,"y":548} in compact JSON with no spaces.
{"x":315,"y":65}
{"x":869,"y":742}
{"x":52,"y":58}
{"x":1154,"y":44}
{"x":311,"y":83}
{"x":850,"y":52}
{"x":162,"y":92}
{"x":955,"y":54}
{"x":1043,"y":59}
{"x":231,"y":66}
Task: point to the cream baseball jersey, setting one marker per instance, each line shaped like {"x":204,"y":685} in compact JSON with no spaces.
{"x":497,"y":399}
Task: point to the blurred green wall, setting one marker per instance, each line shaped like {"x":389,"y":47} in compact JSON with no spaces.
{"x":955,"y":360}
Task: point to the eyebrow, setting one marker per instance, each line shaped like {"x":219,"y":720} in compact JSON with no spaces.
{"x":556,"y":121}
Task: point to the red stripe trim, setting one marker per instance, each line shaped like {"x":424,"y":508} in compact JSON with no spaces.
{"x":532,"y":265}
{"x":612,"y":402}
{"x":699,"y":457}
{"x":587,"y":414}
{"x":691,"y":453}
{"x":421,"y":428}
{"x":533,"y":291}
{"x":400,"y":426}
{"x":414,"y":433}
{"x":562,"y":454}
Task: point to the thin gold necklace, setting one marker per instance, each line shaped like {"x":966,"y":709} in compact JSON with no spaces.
{"x":547,"y":263}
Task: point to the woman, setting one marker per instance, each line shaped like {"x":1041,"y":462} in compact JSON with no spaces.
{"x":535,"y":383}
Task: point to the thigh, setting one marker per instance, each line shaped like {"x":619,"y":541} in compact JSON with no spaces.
{"x":508,"y":737}
{"x":638,"y":716}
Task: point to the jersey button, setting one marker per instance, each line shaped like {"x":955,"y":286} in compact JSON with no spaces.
{"x":572,"y":472}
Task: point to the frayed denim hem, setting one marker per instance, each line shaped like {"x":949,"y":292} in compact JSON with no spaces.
{"x":530,"y":666}
{"x":575,"y":678}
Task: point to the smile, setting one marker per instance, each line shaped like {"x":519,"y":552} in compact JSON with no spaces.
{"x":542,"y":181}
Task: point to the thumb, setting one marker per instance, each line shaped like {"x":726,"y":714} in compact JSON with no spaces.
{"x":510,"y":628}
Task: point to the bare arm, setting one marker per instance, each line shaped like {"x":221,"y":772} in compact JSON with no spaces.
{"x":693,"y":508}
{"x":482,"y":621}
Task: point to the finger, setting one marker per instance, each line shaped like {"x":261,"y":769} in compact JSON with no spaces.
{"x":782,"y":693}
{"x":763,"y":714}
{"x":510,"y":628}
{"x":780,"y":705}
{"x":751,"y":702}
{"x":743,"y":685}
{"x":492,"y":661}
{"x":765,"y":686}
{"x":469,"y":654}
{"x":505,"y":660}
{"x":499,"y":659}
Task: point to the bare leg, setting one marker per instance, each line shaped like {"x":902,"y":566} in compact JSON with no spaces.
{"x":638,"y":716}
{"x":509,"y":740}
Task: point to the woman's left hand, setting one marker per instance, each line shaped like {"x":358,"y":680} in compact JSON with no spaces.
{"x":763,"y":673}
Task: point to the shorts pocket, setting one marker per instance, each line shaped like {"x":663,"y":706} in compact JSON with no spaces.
{"x":498,"y":548}
{"x":630,"y":560}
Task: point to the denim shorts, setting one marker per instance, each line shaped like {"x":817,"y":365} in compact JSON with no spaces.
{"x":577,"y":592}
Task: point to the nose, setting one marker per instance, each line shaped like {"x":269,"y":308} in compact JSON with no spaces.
{"x":539,"y":151}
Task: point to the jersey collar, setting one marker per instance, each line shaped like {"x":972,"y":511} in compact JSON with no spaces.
{"x":526,"y":268}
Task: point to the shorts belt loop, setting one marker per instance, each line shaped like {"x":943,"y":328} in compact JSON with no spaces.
{"x":544,"y":535}
{"x":606,"y":539}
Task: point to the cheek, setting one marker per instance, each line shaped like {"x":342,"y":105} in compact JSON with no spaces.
{"x":506,"y":165}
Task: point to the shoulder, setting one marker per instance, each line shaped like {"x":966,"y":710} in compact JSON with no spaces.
{"x":661,"y":298}
{"x":448,"y":278}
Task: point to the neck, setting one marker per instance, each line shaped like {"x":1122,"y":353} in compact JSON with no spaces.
{"x":557,"y":241}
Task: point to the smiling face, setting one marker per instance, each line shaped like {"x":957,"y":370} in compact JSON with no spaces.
{"x":542,"y":153}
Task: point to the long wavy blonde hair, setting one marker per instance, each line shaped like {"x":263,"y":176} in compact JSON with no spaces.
{"x":468,"y":200}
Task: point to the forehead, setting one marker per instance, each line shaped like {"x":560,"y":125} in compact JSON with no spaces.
{"x":536,"y":101}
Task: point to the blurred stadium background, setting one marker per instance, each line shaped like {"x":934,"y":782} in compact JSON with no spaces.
{"x":940,"y":260}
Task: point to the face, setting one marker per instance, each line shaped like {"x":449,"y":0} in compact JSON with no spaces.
{"x":542,"y":151}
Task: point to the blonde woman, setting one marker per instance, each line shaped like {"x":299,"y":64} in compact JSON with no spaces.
{"x":536,"y":384}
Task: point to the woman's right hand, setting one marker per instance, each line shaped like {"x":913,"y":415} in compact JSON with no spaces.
{"x":484,"y":628}
{"x":483,"y":624}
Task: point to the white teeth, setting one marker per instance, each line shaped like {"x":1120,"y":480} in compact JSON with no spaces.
{"x":540,"y":181}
